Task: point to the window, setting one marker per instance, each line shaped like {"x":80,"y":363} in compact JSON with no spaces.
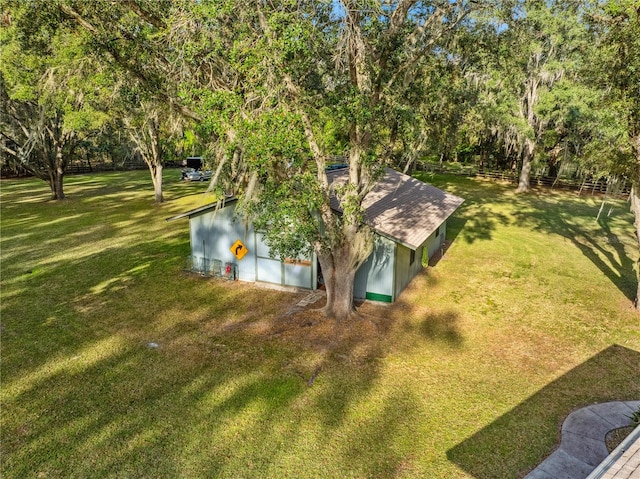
{"x":412,"y":257}
{"x":437,"y":231}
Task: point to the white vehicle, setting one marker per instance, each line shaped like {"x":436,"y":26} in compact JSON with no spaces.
{"x":191,"y":174}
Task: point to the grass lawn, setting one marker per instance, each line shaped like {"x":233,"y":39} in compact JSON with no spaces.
{"x":469,"y":375}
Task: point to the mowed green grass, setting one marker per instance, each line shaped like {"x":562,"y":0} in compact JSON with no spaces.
{"x":527,"y":317}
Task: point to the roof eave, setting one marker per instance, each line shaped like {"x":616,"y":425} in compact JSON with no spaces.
{"x":200,"y":209}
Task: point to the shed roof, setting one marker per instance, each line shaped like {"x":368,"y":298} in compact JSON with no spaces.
{"x":403,"y":208}
{"x":201,"y":209}
{"x":399,"y":207}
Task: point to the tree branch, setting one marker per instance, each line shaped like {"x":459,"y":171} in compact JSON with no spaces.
{"x":144,"y":14}
{"x":122,"y":62}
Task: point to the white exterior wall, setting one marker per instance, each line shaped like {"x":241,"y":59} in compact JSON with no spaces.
{"x":406,"y":270}
{"x":375,"y":278}
{"x":436,"y":239}
{"x":213,"y":233}
{"x":382,"y":277}
{"x":389,"y":269}
{"x":299,"y":272}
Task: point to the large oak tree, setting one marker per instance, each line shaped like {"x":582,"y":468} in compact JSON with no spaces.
{"x":51,"y":88}
{"x":285,"y":86}
{"x":278,"y":88}
{"x":617,"y":71}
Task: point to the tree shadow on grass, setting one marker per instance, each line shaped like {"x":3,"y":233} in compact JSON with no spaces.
{"x":519,"y":440}
{"x":544,"y":210}
{"x":474,"y":220}
{"x":206,"y":401}
{"x":443,"y":328}
{"x":91,"y":285}
{"x":595,"y":240}
{"x":140,"y":413}
{"x":84,"y":395}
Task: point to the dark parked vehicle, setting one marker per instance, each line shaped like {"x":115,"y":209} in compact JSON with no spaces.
{"x":194,"y":162}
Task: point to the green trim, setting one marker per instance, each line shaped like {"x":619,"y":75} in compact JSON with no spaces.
{"x":385,"y":298}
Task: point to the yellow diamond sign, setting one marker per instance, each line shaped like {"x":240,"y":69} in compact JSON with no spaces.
{"x":239,"y":250}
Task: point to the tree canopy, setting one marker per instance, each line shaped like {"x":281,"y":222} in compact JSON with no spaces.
{"x":277,"y":91}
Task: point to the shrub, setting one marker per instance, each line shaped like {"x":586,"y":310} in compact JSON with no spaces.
{"x":635,"y":417}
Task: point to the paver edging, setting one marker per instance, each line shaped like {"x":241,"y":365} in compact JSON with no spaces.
{"x":612,"y":458}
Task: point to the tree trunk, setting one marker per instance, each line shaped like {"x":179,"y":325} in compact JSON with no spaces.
{"x":635,"y":207}
{"x":57,"y":175}
{"x":525,"y":173}
{"x":339,"y":266}
{"x":156,"y":177}
{"x":338,"y":282}
{"x":338,"y":277}
{"x":57,"y":192}
{"x":147,"y":140}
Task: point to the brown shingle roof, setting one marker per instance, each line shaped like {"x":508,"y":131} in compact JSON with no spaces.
{"x":403,"y":208}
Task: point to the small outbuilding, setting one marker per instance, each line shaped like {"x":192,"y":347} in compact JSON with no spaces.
{"x":408,"y":216}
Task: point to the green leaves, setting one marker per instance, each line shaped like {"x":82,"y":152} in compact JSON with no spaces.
{"x":620,"y":58}
{"x":286,"y":212}
{"x":274,"y":138}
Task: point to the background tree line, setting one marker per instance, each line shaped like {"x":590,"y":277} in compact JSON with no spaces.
{"x":270,"y":91}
